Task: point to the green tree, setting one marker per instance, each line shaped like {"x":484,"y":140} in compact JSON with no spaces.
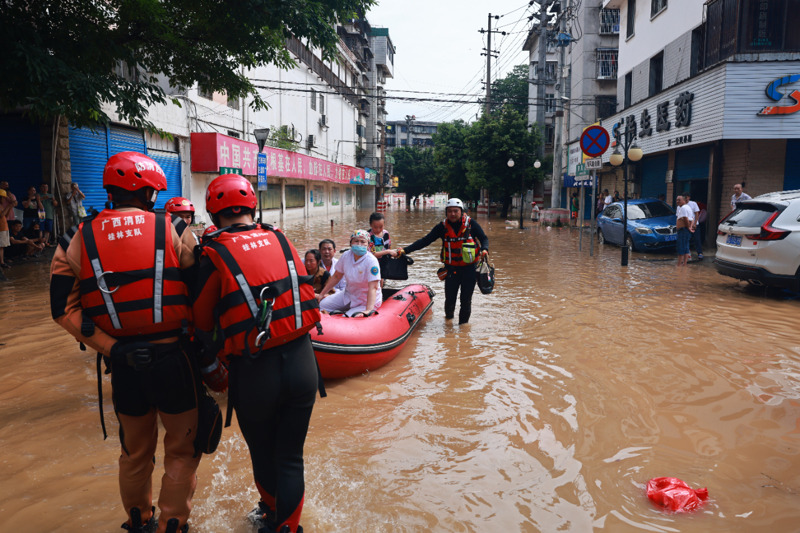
{"x":70,"y":57}
{"x":450,"y":155}
{"x":511,"y":91}
{"x":490,"y":143}
{"x":417,"y":171}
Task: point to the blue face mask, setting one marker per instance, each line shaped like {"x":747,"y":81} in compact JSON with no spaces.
{"x":359,"y":250}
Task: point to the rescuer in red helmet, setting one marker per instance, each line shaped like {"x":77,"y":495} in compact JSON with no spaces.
{"x":250,"y":274}
{"x":116,"y":286}
{"x":181,"y":212}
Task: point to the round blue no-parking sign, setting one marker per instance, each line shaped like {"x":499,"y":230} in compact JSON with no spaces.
{"x":595,"y":141}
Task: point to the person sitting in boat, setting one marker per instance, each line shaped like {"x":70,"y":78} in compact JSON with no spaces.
{"x":362,"y":296}
{"x":314,"y":268}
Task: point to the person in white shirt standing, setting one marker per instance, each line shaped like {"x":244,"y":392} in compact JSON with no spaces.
{"x":684,"y":224}
{"x":696,"y":236}
{"x":327,"y":249}
{"x":608,"y":198}
{"x":362,"y":295}
{"x":738,"y":195}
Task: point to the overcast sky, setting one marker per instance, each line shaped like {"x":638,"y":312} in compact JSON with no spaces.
{"x":439,"y":50}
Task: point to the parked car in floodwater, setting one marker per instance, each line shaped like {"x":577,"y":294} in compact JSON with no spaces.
{"x":651,"y":225}
{"x":759,"y":241}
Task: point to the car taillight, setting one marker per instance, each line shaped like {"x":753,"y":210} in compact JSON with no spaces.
{"x":768,"y":233}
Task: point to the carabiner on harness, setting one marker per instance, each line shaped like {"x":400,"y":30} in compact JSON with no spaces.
{"x":101,"y":283}
{"x":264,"y":318}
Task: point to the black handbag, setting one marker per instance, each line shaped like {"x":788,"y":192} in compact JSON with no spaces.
{"x":485,"y":276}
{"x":209,"y":423}
{"x":395,"y":268}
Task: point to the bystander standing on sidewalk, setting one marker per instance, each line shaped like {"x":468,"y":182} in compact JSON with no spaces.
{"x":8,"y":199}
{"x":738,"y":195}
{"x":608,"y":198}
{"x":696,"y":236}
{"x":75,"y":198}
{"x":49,"y":202}
{"x":4,"y":239}
{"x":30,"y":207}
{"x":684,"y":223}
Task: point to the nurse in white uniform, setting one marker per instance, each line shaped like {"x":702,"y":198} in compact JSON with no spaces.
{"x":362,"y":295}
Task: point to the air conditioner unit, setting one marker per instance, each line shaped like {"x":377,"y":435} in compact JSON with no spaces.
{"x":310,"y":142}
{"x":323,"y":120}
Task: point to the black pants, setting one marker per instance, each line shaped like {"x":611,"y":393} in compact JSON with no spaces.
{"x":275,"y":395}
{"x":697,"y":239}
{"x":465,"y":278}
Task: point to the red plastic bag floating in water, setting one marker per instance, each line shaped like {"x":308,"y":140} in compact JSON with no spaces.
{"x":675,"y":495}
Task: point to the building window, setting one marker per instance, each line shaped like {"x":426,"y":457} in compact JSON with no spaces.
{"x":390,"y":141}
{"x":628,"y":88}
{"x":607,"y":63}
{"x":233,"y":103}
{"x":631,"y":17}
{"x":403,"y":142}
{"x":361,"y":131}
{"x":203,"y":93}
{"x":550,"y":69}
{"x":313,"y":99}
{"x":549,"y":133}
{"x":609,"y":21}
{"x":321,"y":105}
{"x":403,"y":129}
{"x":656,"y":74}
{"x":657,"y":6}
{"x":271,"y":198}
{"x":606,"y":106}
{"x":549,"y":103}
{"x":295,"y":196}
{"x":698,"y":46}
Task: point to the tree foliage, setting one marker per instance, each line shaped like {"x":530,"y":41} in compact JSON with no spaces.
{"x":69,"y":57}
{"x":417,"y":170}
{"x":469,"y":157}
{"x":511,"y":91}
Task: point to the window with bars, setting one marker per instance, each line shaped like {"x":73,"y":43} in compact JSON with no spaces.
{"x":233,"y":103}
{"x":549,"y":103}
{"x":313,"y":99}
{"x":609,"y":21}
{"x":607,"y":63}
{"x":550,"y":70}
{"x":606,"y":106}
{"x":657,"y":6}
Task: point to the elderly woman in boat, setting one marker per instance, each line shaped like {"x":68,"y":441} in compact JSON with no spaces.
{"x":362,"y":296}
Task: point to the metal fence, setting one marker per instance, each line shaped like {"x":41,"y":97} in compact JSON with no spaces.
{"x":609,"y":21}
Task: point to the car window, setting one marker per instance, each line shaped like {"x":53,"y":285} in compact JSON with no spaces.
{"x":652,"y":210}
{"x":613,"y":212}
{"x":750,"y":215}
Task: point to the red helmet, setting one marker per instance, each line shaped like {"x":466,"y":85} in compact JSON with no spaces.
{"x":210,"y":229}
{"x":132,"y":171}
{"x":230,"y":190}
{"x":179,"y":204}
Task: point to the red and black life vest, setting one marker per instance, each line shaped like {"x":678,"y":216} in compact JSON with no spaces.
{"x":131,"y":285}
{"x":258,"y":265}
{"x":452,"y":242}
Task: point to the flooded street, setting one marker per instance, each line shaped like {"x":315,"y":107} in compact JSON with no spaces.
{"x":575,"y":382}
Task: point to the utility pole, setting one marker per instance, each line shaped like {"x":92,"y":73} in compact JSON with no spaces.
{"x":409,"y":123}
{"x":382,"y":163}
{"x":488,"y":53}
{"x":540,"y":74}
{"x":561,"y":135}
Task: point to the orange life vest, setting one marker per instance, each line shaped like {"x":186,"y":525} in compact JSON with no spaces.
{"x":452,"y":243}
{"x":131,"y":285}
{"x":258,"y":267}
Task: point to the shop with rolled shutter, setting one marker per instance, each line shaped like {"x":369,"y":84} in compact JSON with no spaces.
{"x":89,"y":151}
{"x":654,"y":176}
{"x":692,"y":168}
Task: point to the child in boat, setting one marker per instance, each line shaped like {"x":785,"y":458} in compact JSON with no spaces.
{"x":362,"y":295}
{"x":380,"y":243}
{"x":313,"y":262}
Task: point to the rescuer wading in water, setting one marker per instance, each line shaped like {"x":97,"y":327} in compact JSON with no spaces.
{"x":249,"y":276}
{"x":116,"y":286}
{"x":463,"y":243}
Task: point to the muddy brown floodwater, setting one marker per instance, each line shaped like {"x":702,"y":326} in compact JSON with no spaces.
{"x":574,"y":383}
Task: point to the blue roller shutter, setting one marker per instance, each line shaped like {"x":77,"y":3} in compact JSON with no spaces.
{"x":88,"y":153}
{"x":654,"y":174}
{"x":791,"y":175}
{"x":125,"y":140}
{"x":21,"y":152}
{"x":171,"y":163}
{"x":692,"y":164}
{"x":563,"y":197}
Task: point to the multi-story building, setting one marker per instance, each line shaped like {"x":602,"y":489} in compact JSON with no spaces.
{"x":313,"y":108}
{"x":708,"y":90}
{"x":382,"y":63}
{"x":550,"y":80}
{"x":409,"y":133}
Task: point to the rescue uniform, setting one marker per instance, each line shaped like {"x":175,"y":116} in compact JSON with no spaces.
{"x":460,"y":275}
{"x":246,"y":274}
{"x":139,"y":257}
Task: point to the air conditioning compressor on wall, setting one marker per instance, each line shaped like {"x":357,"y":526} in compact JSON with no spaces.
{"x":310,"y":141}
{"x":323,"y":120}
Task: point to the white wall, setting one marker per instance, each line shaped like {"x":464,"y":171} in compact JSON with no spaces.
{"x":652,"y":36}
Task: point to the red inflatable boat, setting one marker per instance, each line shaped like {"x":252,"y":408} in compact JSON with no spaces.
{"x":350,"y":346}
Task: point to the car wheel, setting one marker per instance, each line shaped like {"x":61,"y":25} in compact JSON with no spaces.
{"x":601,"y":239}
{"x":629,"y":243}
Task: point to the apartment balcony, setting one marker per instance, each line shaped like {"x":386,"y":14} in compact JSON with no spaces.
{"x":607,"y":63}
{"x":363,"y":108}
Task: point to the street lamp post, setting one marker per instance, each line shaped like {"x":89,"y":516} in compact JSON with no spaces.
{"x":537,"y":165}
{"x":631,"y":153}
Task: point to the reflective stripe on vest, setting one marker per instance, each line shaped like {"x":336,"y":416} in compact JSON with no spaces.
{"x":91,"y":250}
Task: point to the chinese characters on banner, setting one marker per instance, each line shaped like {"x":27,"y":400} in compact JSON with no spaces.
{"x":211,"y":151}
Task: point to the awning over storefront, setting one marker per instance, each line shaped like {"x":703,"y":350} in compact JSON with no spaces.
{"x":212,"y":151}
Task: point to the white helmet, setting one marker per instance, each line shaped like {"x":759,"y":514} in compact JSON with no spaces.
{"x":455,"y":202}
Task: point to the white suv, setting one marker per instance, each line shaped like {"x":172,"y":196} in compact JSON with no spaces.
{"x":760,"y":241}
